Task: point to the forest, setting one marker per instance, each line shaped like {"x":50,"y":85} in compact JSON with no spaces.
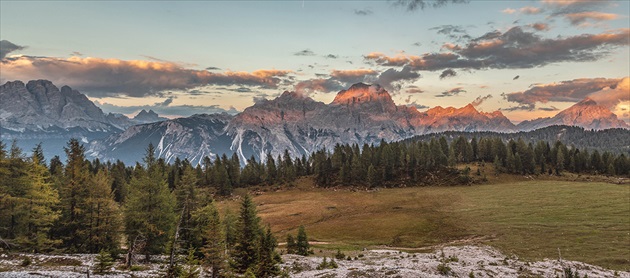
{"x":154,"y":208}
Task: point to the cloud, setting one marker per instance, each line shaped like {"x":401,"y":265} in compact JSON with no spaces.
{"x":561,"y":7}
{"x":331,"y":56}
{"x":480,"y":99}
{"x":76,"y":53}
{"x":166,"y":102}
{"x":525,"y":107}
{"x":417,"y":44}
{"x":412,"y":5}
{"x":452,"y":92}
{"x":414,"y":90}
{"x":305,"y":52}
{"x":454,"y":32}
{"x":448,"y":73}
{"x":508,"y":11}
{"x":514,"y":48}
{"x":318,"y":85}
{"x":539,"y":26}
{"x":530,"y":10}
{"x":417,"y":106}
{"x":580,"y":18}
{"x":363,"y":12}
{"x":7,"y":47}
{"x":161,"y":109}
{"x":352,"y":76}
{"x":551,"y":108}
{"x":392,"y":79}
{"x":112,"y":77}
{"x":605,"y":91}
{"x":212,"y":68}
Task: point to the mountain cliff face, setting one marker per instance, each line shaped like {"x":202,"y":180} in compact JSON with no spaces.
{"x":586,"y":113}
{"x":41,"y":106}
{"x":194,"y":138}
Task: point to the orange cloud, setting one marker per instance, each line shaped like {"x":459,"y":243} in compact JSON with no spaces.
{"x":508,"y":11}
{"x":583,"y":17}
{"x":106,"y":77}
{"x":514,"y":48}
{"x":352,"y":73}
{"x":530,"y":10}
{"x":605,"y":91}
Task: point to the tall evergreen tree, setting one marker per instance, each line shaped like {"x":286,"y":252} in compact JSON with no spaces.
{"x":40,"y":212}
{"x":302,"y":247}
{"x":212,"y":238}
{"x":150,"y":209}
{"x":75,"y":193}
{"x":268,"y":258}
{"x":248,"y":235}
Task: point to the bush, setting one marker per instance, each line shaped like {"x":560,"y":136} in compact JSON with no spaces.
{"x":26,"y":262}
{"x":444,"y":269}
{"x":104,"y":262}
{"x":340,"y":255}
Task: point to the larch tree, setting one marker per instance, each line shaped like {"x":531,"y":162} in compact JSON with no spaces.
{"x":150,"y":209}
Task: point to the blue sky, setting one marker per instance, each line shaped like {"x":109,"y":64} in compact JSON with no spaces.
{"x":143,"y":54}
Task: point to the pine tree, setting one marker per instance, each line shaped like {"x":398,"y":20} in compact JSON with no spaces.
{"x":187,"y":202}
{"x":373,"y":178}
{"x":268,"y":258}
{"x":302,"y":247}
{"x":150,"y":208}
{"x":213,"y":242}
{"x":40,"y":212}
{"x":291,"y":246}
{"x":104,"y":217}
{"x":248,"y":235}
{"x":104,"y":262}
{"x":75,"y":192}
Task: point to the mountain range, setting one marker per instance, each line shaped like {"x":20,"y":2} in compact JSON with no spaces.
{"x":362,"y":114}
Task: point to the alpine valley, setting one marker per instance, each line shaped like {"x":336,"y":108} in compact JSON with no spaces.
{"x":363,"y":114}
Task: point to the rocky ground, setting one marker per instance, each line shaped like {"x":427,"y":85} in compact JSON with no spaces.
{"x":454,"y":261}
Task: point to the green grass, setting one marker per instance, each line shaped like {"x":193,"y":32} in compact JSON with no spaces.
{"x":589,"y":222}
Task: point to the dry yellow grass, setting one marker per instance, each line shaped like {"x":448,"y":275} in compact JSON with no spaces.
{"x":589,"y":222}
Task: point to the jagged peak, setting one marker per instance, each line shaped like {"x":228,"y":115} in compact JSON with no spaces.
{"x":14,"y":83}
{"x":292,"y":94}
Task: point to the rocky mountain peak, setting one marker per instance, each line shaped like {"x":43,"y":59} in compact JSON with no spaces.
{"x":587,"y":102}
{"x":362,"y":93}
{"x":150,"y":116}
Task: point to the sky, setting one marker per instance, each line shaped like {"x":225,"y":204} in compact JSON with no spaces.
{"x":528,"y":59}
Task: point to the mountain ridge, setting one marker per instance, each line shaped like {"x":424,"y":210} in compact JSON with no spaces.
{"x":362,"y":114}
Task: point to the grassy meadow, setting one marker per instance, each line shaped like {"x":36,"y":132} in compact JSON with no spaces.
{"x":587,"y":221}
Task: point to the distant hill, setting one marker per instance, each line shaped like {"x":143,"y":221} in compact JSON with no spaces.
{"x":613,"y":140}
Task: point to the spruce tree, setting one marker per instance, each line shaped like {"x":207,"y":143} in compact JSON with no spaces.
{"x":248,"y":235}
{"x":268,"y":258}
{"x":213,"y":241}
{"x":291,"y":246}
{"x":373,"y":178}
{"x":75,"y":192}
{"x":302,"y":247}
